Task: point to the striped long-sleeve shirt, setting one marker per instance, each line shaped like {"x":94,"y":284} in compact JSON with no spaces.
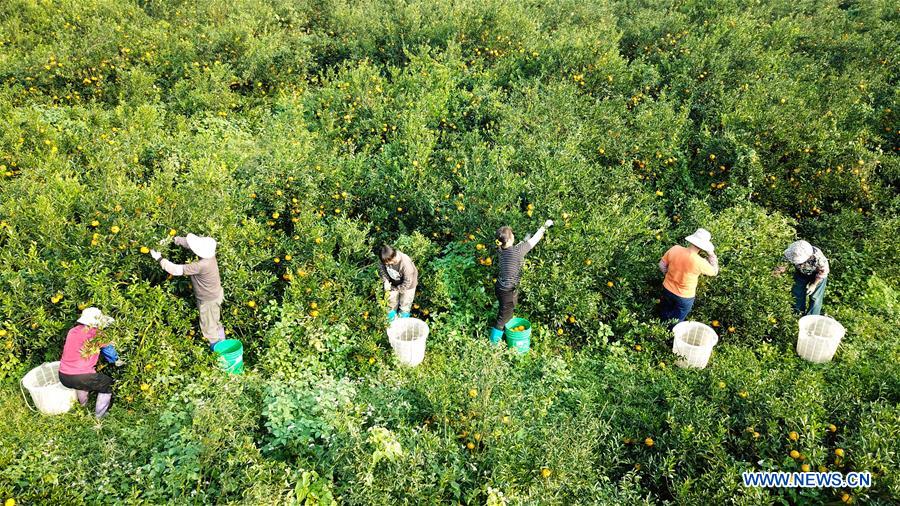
{"x":512,"y":260}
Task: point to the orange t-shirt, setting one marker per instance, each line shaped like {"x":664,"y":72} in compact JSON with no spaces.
{"x":685,"y":268}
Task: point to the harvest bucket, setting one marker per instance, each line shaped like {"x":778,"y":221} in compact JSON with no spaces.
{"x":407,"y":337}
{"x":50,"y":397}
{"x":819,"y":338}
{"x":519,"y":340}
{"x":693,"y":344}
{"x":231,"y":355}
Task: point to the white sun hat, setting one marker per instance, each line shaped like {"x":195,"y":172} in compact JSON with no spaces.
{"x":93,"y":317}
{"x":203,"y":247}
{"x":701,"y":239}
{"x":798,"y":252}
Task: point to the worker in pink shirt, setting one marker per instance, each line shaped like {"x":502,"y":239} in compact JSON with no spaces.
{"x":83,"y":347}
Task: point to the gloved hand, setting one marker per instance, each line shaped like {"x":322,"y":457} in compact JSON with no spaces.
{"x":165,"y":241}
{"x":155,"y":254}
{"x":120,"y":363}
{"x":548,"y":223}
{"x":810,"y":288}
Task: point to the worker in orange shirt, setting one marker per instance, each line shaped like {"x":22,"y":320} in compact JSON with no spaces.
{"x":683,"y":267}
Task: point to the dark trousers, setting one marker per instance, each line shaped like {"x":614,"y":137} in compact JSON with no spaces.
{"x":673,"y":307}
{"x":508,"y":300}
{"x":814,"y":299}
{"x":96,"y":382}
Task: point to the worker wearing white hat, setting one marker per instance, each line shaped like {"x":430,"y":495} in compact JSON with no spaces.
{"x":205,"y":279}
{"x":83,"y":347}
{"x":810,"y":276}
{"x":683,"y":267}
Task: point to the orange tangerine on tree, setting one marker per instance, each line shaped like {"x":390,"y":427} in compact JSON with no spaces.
{"x":793,"y":436}
{"x":795,"y":454}
{"x":649,"y":441}
{"x":545,"y":473}
{"x":839,"y":452}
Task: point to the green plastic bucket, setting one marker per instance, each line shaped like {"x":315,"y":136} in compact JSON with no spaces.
{"x":231,"y":355}
{"x":519,"y":340}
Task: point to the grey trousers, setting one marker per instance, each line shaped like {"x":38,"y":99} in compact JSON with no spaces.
{"x":211,"y":319}
{"x":402,"y":299}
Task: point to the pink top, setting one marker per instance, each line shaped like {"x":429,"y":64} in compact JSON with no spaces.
{"x":72,"y":362}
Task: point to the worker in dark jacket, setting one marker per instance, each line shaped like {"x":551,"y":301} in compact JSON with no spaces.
{"x":400,"y":278}
{"x":512,"y":258}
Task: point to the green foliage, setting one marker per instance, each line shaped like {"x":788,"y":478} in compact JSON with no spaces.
{"x":302,"y":135}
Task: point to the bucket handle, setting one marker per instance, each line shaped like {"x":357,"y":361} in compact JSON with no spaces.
{"x":25,"y":397}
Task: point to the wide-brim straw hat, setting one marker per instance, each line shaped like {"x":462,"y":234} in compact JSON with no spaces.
{"x":701,"y":239}
{"x":203,"y":247}
{"x":93,"y":317}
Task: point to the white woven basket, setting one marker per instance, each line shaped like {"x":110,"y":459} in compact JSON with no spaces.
{"x":407,"y":337}
{"x":693,"y":343}
{"x":50,"y":397}
{"x":819,"y":338}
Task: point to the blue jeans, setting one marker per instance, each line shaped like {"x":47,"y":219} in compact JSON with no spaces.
{"x":109,"y":353}
{"x":814,"y":300}
{"x":673,"y":307}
